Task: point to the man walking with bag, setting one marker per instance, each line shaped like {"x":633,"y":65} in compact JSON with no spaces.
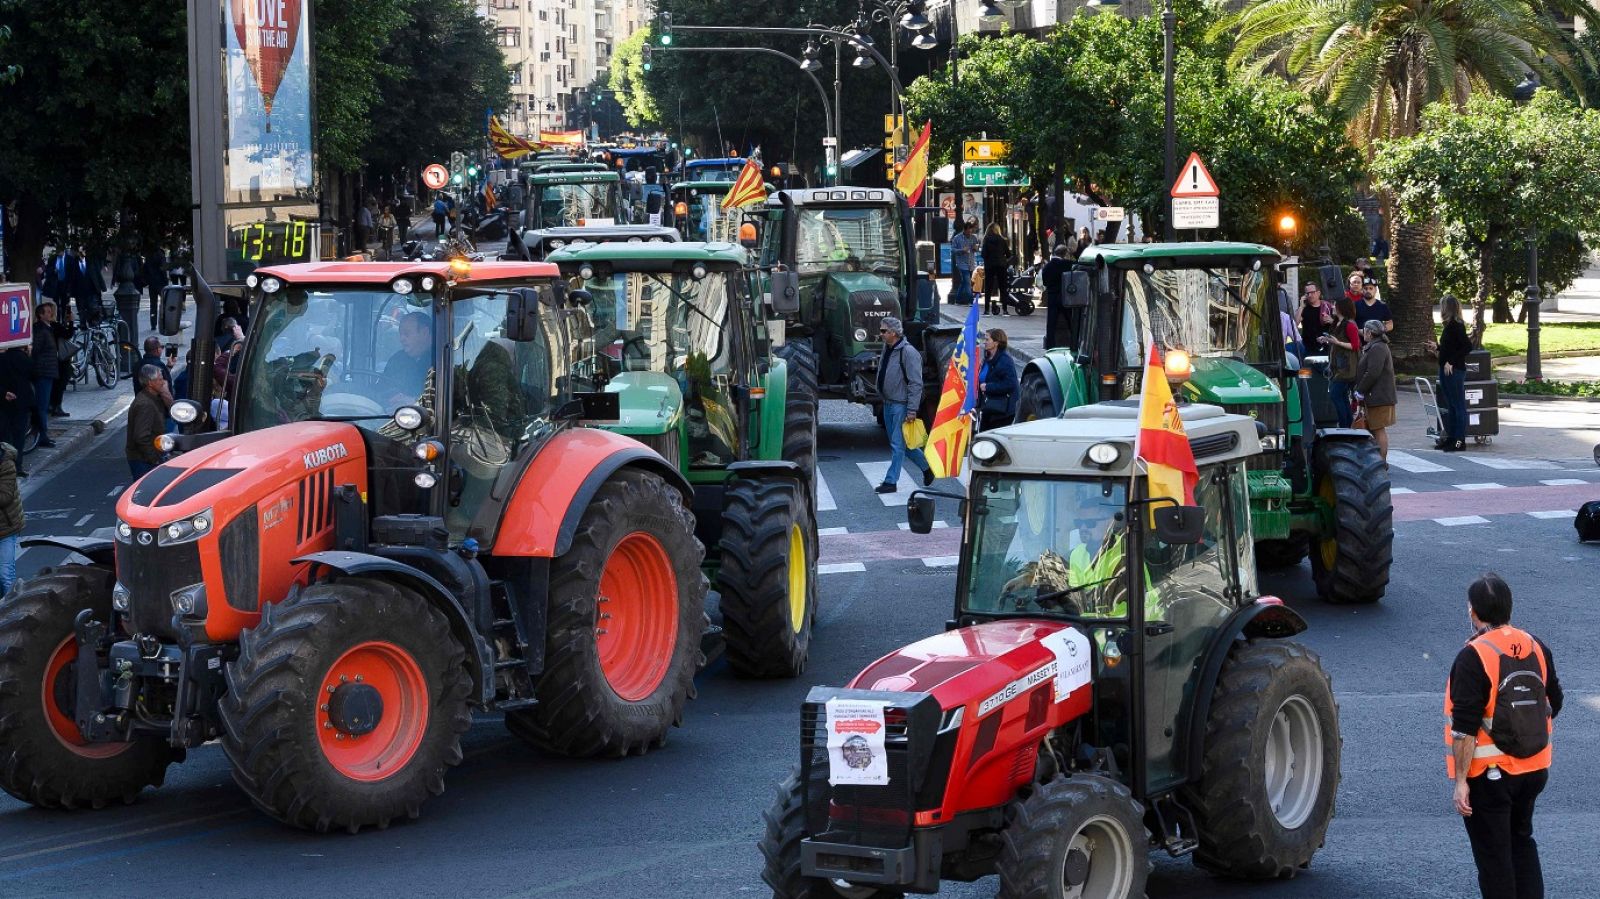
{"x":900,"y":389}
{"x":1501,"y":700}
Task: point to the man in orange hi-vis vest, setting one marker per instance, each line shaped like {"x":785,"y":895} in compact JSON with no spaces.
{"x":1500,"y":702}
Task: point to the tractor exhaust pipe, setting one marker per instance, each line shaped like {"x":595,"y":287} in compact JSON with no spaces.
{"x":204,"y":347}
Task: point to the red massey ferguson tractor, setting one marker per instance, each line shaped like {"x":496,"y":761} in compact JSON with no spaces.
{"x":1080,"y":711}
{"x":401,"y":525}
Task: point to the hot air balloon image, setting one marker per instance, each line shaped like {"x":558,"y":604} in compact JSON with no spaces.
{"x":267,"y":31}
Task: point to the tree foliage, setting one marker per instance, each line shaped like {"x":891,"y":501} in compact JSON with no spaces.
{"x":1493,"y":169}
{"x":628,"y":80}
{"x":350,"y":39}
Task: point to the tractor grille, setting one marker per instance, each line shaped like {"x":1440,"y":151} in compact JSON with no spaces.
{"x":240,"y":547}
{"x":874,"y":816}
{"x":868,"y":309}
{"x":1274,"y":416}
{"x":316,"y":505}
{"x":151,"y":573}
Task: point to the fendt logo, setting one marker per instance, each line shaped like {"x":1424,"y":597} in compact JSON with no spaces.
{"x":323,"y":456}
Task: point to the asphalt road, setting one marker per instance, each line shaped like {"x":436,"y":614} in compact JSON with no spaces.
{"x":684,"y":821}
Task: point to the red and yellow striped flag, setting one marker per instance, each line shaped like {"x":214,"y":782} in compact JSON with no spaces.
{"x":748,"y":189}
{"x":914,"y":176}
{"x":1162,"y":445}
{"x":958,"y":400}
{"x":506,"y":144}
{"x":489,"y":199}
{"x":561,"y":138}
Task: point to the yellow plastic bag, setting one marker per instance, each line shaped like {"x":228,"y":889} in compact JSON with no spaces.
{"x":977,"y":280}
{"x":914,"y":432}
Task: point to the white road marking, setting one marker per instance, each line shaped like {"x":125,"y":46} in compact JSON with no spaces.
{"x":906,"y":525}
{"x":825,"y":501}
{"x":1400,"y":491}
{"x":84,"y":520}
{"x":941,"y":561}
{"x":1465,"y":519}
{"x":117,"y":490}
{"x":1488,"y":486}
{"x":1553,"y":513}
{"x":841,"y":568}
{"x":831,"y":532}
{"x":910,"y":479}
{"x":1414,"y":464}
{"x":1564,"y":482}
{"x":1504,"y":464}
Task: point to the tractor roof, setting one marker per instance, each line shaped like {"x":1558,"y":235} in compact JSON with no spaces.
{"x":594,"y":176}
{"x":384,"y":272}
{"x":714,"y":185}
{"x":721,"y":160}
{"x":1129,"y":254}
{"x":685,"y":251}
{"x":1060,"y":446}
{"x":817,"y":196}
{"x":599,"y":233}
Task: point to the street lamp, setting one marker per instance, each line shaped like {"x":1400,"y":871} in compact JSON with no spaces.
{"x":1521,"y":94}
{"x":810,"y":63}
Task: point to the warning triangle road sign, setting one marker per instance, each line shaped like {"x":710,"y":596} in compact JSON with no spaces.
{"x":1194,"y":180}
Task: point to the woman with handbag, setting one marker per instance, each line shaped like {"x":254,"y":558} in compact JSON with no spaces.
{"x":996,"y":259}
{"x":1375,"y":387}
{"x":1344,"y":354}
{"x":998,"y":383}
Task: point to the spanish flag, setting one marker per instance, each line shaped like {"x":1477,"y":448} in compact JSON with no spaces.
{"x":748,"y":189}
{"x":1162,"y":445}
{"x":914,"y":176}
{"x":506,"y":144}
{"x":958,"y":400}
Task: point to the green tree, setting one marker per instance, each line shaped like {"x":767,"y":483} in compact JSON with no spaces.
{"x":350,"y":39}
{"x":1492,"y":169}
{"x":628,"y":80}
{"x":8,"y":71}
{"x":1380,"y":63}
{"x":1563,"y":256}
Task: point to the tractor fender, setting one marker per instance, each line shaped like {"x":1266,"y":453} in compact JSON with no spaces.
{"x":1267,"y":617}
{"x":550,"y":498}
{"x":96,"y":549}
{"x":480,"y":658}
{"x":1342,"y":434}
{"x":776,"y":384}
{"x":755,"y":469}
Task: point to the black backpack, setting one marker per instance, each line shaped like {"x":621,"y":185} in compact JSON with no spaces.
{"x":1588,"y":520}
{"x":1521,"y":726}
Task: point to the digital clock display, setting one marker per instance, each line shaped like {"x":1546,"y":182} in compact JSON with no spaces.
{"x":270,"y":243}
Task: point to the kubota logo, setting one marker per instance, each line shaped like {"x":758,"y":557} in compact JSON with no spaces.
{"x":323,"y":456}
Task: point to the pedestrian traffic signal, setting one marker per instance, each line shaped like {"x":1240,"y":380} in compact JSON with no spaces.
{"x":666,"y":29}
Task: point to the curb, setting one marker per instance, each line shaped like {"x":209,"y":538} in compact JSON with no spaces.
{"x":76,"y":436}
{"x":1507,"y":398}
{"x":1558,"y":354}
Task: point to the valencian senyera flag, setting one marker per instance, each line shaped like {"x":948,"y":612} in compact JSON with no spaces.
{"x":748,"y":189}
{"x":506,"y":144}
{"x":958,"y":401}
{"x":914,"y":176}
{"x":1162,"y":445}
{"x":490,"y":201}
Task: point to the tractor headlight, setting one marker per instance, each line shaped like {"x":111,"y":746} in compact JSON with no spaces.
{"x":986,"y":450}
{"x":424,"y":479}
{"x":120,"y":597}
{"x":124,"y":532}
{"x":586,"y":272}
{"x":698,"y":272}
{"x":190,"y":601}
{"x":428,"y":282}
{"x":251,"y":281}
{"x":408,"y":418}
{"x":184,"y":411}
{"x":402,"y":286}
{"x":184,"y":530}
{"x":861,"y":334}
{"x":1103,"y":453}
{"x":1270,"y":442}
{"x":270,"y":284}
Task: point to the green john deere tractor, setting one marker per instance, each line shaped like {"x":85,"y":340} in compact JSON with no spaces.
{"x":680,"y":335}
{"x":853,"y":250}
{"x":1322,"y":491}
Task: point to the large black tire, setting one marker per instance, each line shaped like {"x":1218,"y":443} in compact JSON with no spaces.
{"x":937,"y":351}
{"x":635,"y":523}
{"x":1271,"y":693}
{"x":42,"y":759}
{"x":277,"y":709}
{"x":800,"y":410}
{"x":780,"y":849}
{"x":768,"y":579}
{"x":1281,"y":553}
{"x":1351,"y":565}
{"x":1084,"y":829}
{"x":1034,"y":401}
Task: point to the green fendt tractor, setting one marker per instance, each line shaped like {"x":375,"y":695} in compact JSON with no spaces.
{"x":853,"y":250}
{"x":1317,"y":490}
{"x":680,"y":335}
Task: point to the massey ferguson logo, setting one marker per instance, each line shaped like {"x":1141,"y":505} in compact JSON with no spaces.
{"x":318,"y":458}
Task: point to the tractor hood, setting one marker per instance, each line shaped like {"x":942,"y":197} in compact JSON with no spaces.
{"x":651,"y":403}
{"x":1228,"y":382}
{"x":971,"y":664}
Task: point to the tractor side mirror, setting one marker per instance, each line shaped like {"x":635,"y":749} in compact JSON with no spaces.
{"x":1075,"y":290}
{"x":579,"y":297}
{"x":785,"y":295}
{"x":172,"y":299}
{"x":927,"y":256}
{"x":522,"y":315}
{"x":1180,"y":525}
{"x":919,"y":513}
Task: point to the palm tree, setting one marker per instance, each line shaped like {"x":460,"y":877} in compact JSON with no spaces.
{"x":1381,"y":62}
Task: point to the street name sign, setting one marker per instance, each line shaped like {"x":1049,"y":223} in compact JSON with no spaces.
{"x":992,"y":176}
{"x":1194,"y":212}
{"x":985,"y":150}
{"x":1110,"y":214}
{"x":435,"y":176}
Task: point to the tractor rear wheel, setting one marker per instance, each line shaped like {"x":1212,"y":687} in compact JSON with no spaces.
{"x":938,"y":350}
{"x":800,"y":409}
{"x":346,"y":705}
{"x":1034,"y":401}
{"x":44,"y":760}
{"x":1271,"y":763}
{"x":1282,"y":553}
{"x":627,"y":608}
{"x":1351,"y":564}
{"x":780,"y":847}
{"x":1079,"y":836}
{"x":767,"y":582}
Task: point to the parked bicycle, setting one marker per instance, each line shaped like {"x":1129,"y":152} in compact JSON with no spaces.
{"x":97,"y":349}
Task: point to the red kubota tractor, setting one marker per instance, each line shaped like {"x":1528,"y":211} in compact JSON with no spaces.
{"x":400,"y":525}
{"x":1081,"y":710}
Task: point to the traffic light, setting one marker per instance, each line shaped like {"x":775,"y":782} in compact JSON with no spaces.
{"x":666,"y":29}
{"x":472,"y":170}
{"x":648,"y":52}
{"x":456,"y":179}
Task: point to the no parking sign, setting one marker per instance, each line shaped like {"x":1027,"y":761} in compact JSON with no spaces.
{"x":16,"y":315}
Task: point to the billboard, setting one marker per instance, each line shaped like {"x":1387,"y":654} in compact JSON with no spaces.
{"x":16,"y":315}
{"x":267,"y":89}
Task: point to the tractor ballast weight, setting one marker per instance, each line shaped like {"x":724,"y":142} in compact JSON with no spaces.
{"x":372,"y":551}
{"x":1080,"y":711}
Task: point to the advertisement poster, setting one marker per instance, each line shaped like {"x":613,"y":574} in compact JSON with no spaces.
{"x":972,"y":206}
{"x":856,"y":753}
{"x":1074,"y":660}
{"x":268,"y":88}
{"x":947,"y":204}
{"x":16,"y":315}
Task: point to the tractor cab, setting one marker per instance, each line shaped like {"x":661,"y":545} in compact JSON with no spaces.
{"x":571,"y":199}
{"x":697,"y":211}
{"x":1087,"y":702}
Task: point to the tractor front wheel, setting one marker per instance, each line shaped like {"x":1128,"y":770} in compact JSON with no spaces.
{"x":780,"y":849}
{"x":767,"y":583}
{"x":627,"y":608}
{"x":1271,"y":763}
{"x":44,"y":760}
{"x":1081,"y":837}
{"x":346,"y":705}
{"x":1035,"y":401}
{"x":1351,"y":564}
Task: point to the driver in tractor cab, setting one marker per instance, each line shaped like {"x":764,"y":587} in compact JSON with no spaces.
{"x":1092,"y":567}
{"x":406,"y":373}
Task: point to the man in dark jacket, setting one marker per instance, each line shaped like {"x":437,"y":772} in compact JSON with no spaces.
{"x":900,"y":389}
{"x":16,"y":399}
{"x":46,"y":368}
{"x":1056,"y":332}
{"x":11,"y":518}
{"x":147,"y":420}
{"x":154,"y":275}
{"x":152,"y":358}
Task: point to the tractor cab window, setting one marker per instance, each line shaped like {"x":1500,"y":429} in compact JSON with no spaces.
{"x":834,"y":239}
{"x":1044,"y":546}
{"x":1206,"y":311}
{"x":575,"y":204}
{"x":336,"y":354}
{"x":672,"y":324}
